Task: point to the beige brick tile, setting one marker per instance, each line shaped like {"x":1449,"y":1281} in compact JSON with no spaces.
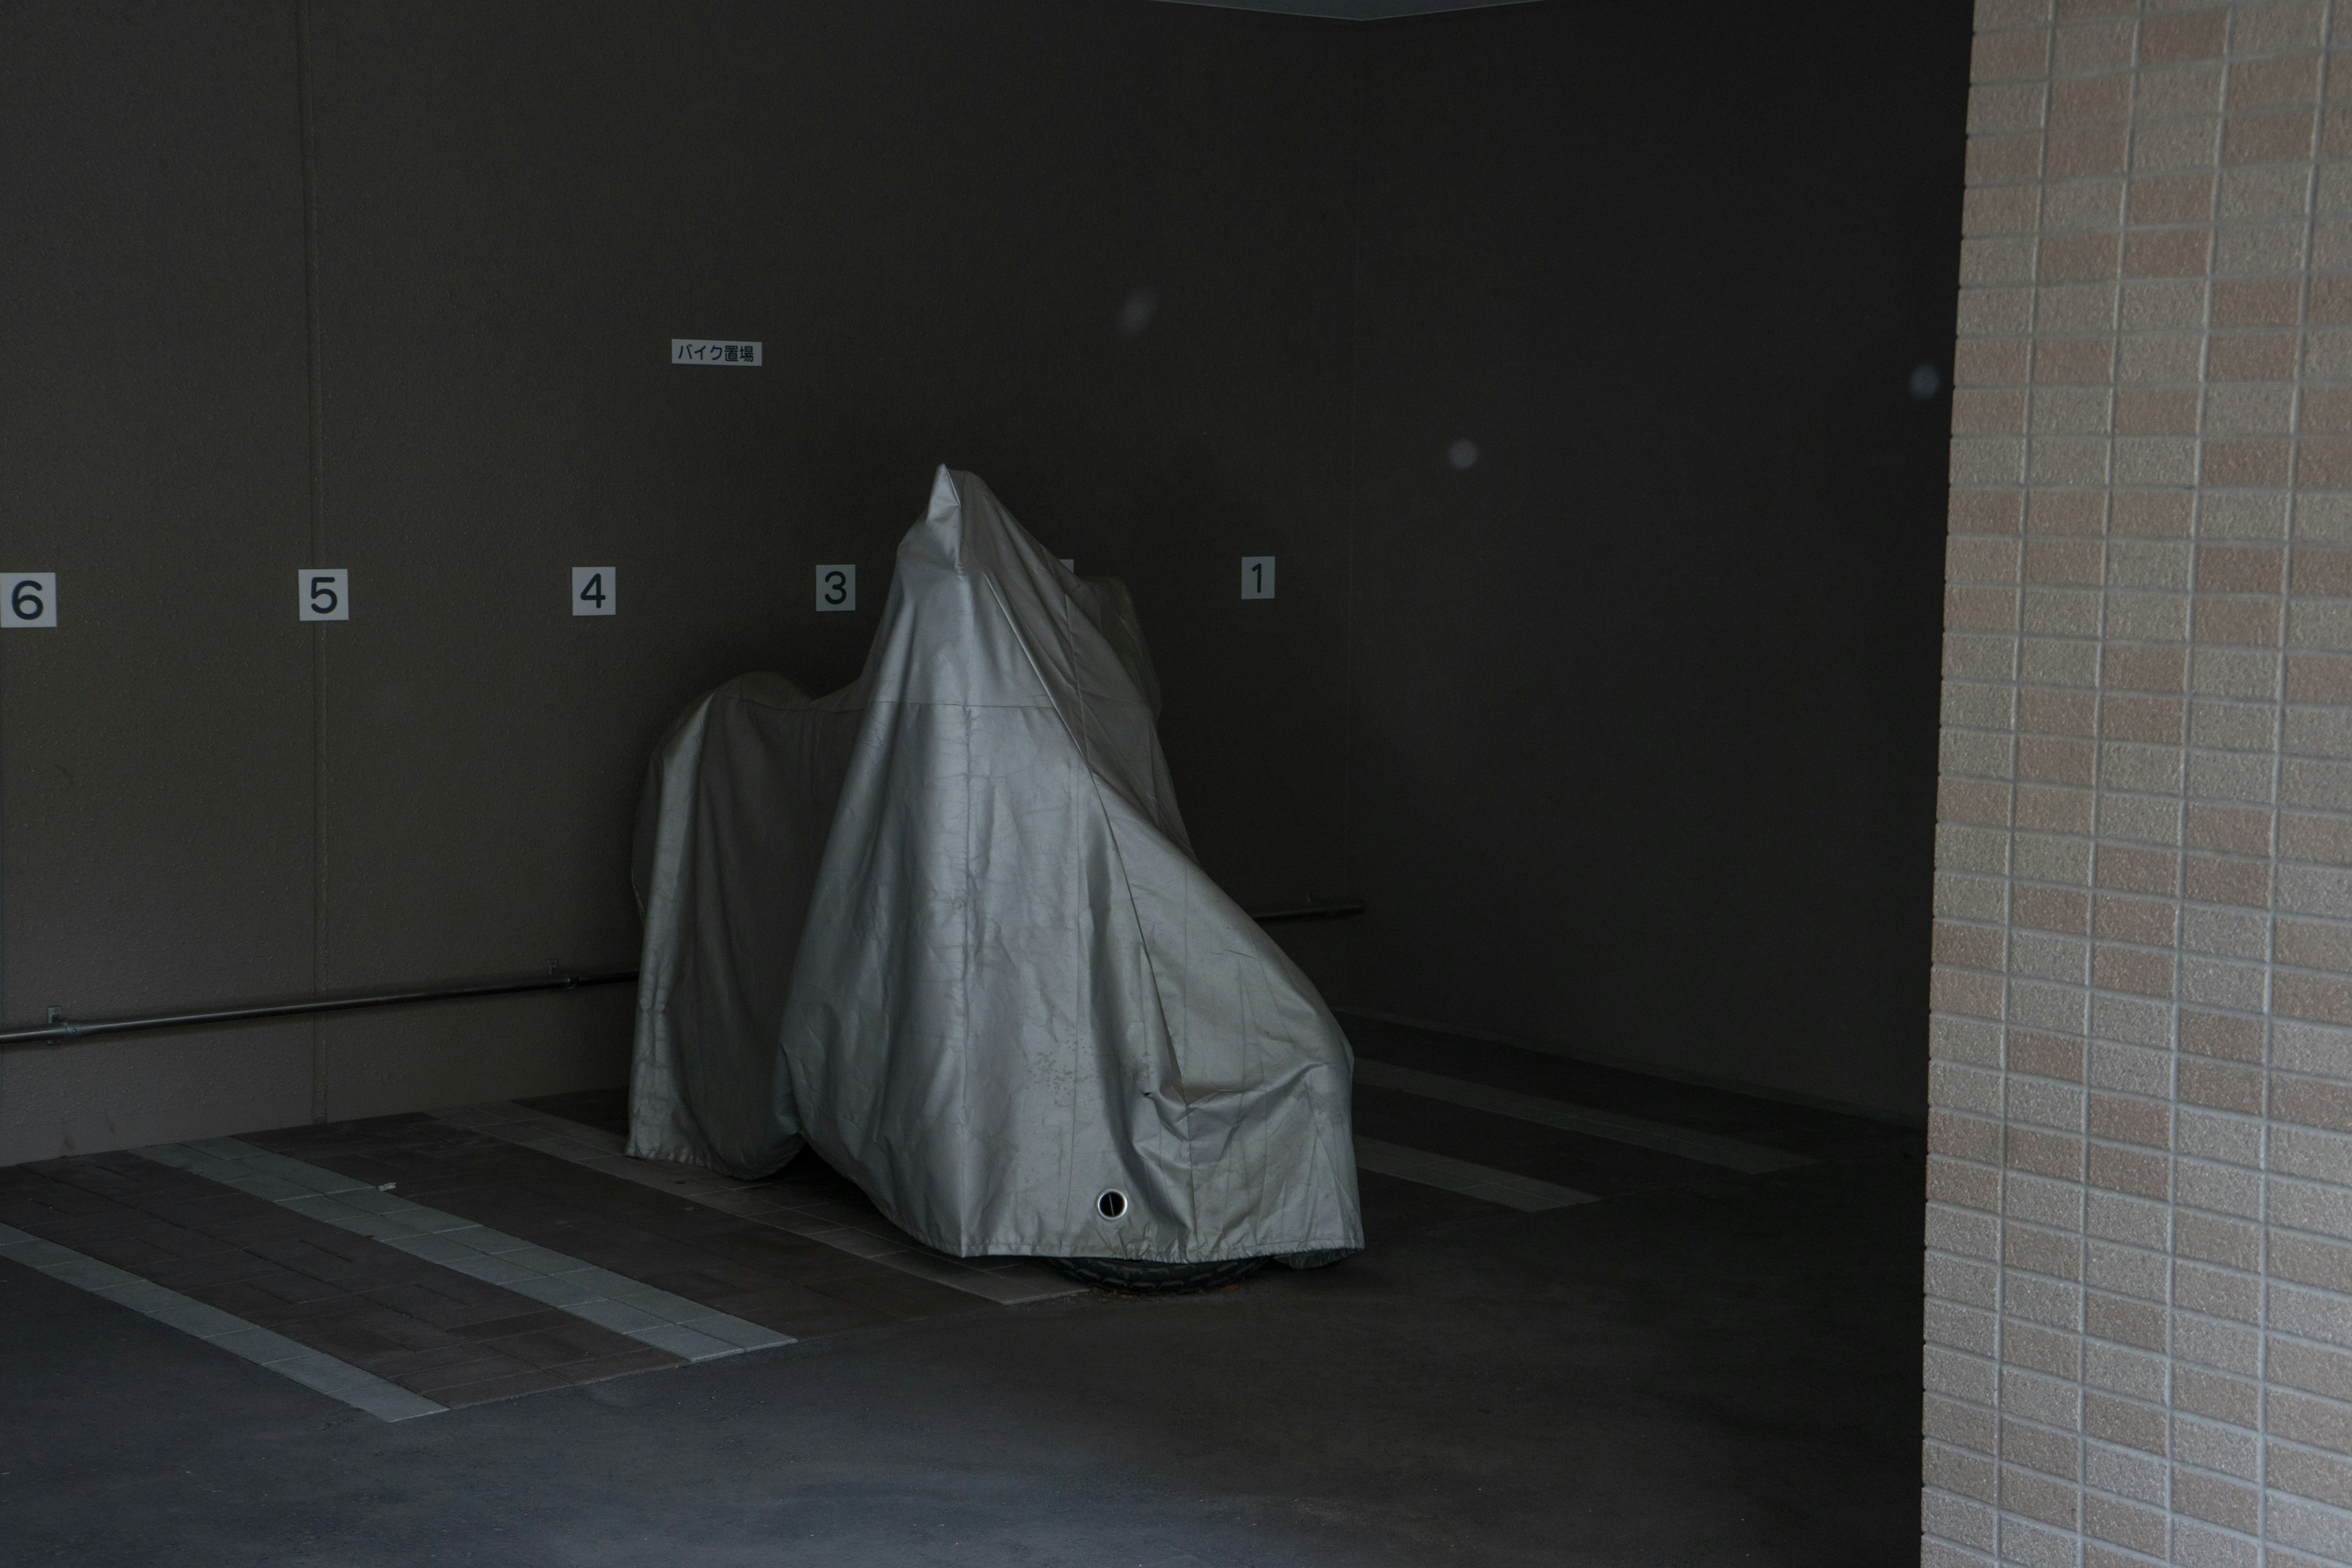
{"x":2064,"y":259}
{"x":2156,"y":411}
{"x":1963,"y":1137}
{"x":2044,"y":1154}
{"x":1998,"y":160}
{"x":2154,"y":147}
{"x":2171,"y":358}
{"x":2043,"y":711}
{"x":2039,"y":1054}
{"x":2311,"y":1102}
{"x":2149,"y":923}
{"x":1991,"y":412}
{"x":2168,"y":40}
{"x":1956,"y":1470}
{"x":2310,"y":1368}
{"x":2256,"y":302}
{"x":2322,"y":519}
{"x":2102,"y":100}
{"x":2277,"y":28}
{"x":1962,"y":1425}
{"x":2230,"y":829}
{"x":2261,"y":247}
{"x":2073,"y":410}
{"x":1963,"y":1185}
{"x":2042,"y":809}
{"x":2001,"y":56}
{"x":2272,"y":190}
{"x":2131,"y":669}
{"x":2220,"y":1086}
{"x":2003,"y":210}
{"x":2001,"y":362}
{"x":2187,"y":198}
{"x":2038,"y":1497}
{"x":2137,"y":1173}
{"x":2241,"y":569}
{"x":2305,"y":835}
{"x":2167,"y":253}
{"x":2058,"y":1455}
{"x":2123,"y":1120}
{"x":2246,"y":623}
{"x":2211,"y":1239}
{"x":2221,"y":1034}
{"x":2319,"y":1423}
{"x":2328,"y":355}
{"x":1986,"y":512}
{"x":2275,"y":83}
{"x":2323,"y":575}
{"x":2131,"y":1525}
{"x":2325,"y":463}
{"x":2269,"y":138}
{"x":2311,"y":1261}
{"x":2216,"y":1500}
{"x":2163,"y":566}
{"x":2127,"y":1422}
{"x":2007,"y":107}
{"x":2073,"y":205}
{"x":2260,"y":356}
{"x":2146,"y":871}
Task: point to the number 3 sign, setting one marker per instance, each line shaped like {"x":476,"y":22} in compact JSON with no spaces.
{"x":28,"y":599}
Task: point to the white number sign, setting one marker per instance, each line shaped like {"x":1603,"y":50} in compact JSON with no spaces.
{"x":1257,"y":576}
{"x":837,"y":587}
{"x":28,"y":599}
{"x":595,"y":591}
{"x":324,"y":594}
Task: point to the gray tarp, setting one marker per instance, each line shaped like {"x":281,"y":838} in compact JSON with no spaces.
{"x":945,"y":925}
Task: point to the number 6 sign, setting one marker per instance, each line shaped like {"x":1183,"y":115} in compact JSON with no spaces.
{"x":28,"y":599}
{"x":324,"y":594}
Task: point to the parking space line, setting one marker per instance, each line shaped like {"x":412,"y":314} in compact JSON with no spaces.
{"x":672,"y":1324}
{"x":1525,"y":1193}
{"x":1706,"y":1147}
{"x":312,"y":1369}
{"x":1005,"y":1283}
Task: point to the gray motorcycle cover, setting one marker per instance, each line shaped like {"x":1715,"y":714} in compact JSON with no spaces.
{"x":945,"y":925}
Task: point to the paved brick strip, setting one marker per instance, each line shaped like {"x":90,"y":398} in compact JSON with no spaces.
{"x":725,"y":1262}
{"x":403,"y":1319}
{"x":653,"y":1317}
{"x":312,"y":1369}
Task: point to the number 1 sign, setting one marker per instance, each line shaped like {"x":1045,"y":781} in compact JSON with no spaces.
{"x":28,"y":599}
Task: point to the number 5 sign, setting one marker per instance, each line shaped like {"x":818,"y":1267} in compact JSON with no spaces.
{"x":28,"y":599}
{"x":322,"y":594}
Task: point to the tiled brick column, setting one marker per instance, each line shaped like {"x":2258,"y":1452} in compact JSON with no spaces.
{"x":2140,"y":1224}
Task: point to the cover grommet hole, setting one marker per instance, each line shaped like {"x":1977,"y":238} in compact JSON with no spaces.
{"x":1112,"y":1204}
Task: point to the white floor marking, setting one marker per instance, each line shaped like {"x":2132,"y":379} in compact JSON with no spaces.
{"x":312,"y":1369}
{"x":1522,"y":1193}
{"x":1706,"y":1147}
{"x":1005,"y":1280}
{"x":685,"y":1329}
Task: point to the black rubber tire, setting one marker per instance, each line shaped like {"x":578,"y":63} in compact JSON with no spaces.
{"x":1137,"y":1276}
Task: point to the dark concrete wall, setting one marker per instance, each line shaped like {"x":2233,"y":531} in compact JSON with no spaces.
{"x":1643,"y":704}
{"x":1626,"y":731}
{"x":929,"y":212}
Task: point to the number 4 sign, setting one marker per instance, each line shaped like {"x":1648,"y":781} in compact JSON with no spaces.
{"x":28,"y":599}
{"x":595,"y":591}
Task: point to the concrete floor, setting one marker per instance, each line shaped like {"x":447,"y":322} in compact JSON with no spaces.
{"x":1725,"y":1372}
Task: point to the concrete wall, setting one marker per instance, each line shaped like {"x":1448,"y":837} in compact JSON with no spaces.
{"x":1622,"y":729}
{"x":930,"y":213}
{"x":1641,"y":709}
{"x":2139,"y":1229}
